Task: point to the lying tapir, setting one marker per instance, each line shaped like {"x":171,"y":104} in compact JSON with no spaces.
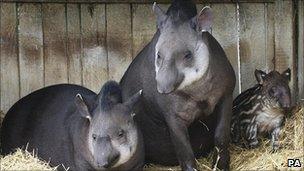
{"x":187,"y":84}
{"x":71,"y":125}
{"x":261,"y":109}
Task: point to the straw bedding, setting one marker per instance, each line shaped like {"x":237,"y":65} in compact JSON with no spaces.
{"x":291,"y":142}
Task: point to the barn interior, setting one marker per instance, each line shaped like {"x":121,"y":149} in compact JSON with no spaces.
{"x":46,"y":42}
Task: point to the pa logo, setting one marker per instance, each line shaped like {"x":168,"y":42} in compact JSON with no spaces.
{"x":294,"y":163}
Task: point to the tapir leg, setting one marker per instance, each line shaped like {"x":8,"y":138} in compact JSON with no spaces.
{"x":180,"y":139}
{"x":222,"y":133}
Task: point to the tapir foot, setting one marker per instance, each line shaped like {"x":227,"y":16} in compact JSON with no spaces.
{"x":221,"y":160}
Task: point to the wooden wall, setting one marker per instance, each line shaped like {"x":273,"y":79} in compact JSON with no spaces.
{"x":300,"y":62}
{"x":87,"y":44}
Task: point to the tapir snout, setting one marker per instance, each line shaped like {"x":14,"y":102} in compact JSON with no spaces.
{"x":285,"y":101}
{"x":167,"y":78}
{"x":105,"y":156}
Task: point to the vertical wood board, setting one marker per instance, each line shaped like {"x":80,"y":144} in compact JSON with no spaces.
{"x":119,"y":39}
{"x":301,"y":50}
{"x":252,"y":42}
{"x":9,"y":56}
{"x":54,"y":38}
{"x":74,"y":44}
{"x":30,"y":48}
{"x":225,"y":31}
{"x":94,"y":48}
{"x":143,"y":27}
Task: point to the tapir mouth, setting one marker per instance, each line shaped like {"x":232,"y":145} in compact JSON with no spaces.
{"x":107,"y":165}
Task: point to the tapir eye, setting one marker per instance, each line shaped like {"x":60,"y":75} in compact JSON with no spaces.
{"x":158,"y":56}
{"x":94,"y":136}
{"x":121,"y":133}
{"x":188,"y":56}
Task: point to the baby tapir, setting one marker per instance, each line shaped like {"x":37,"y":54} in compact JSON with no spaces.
{"x":71,"y":125}
{"x":261,"y":109}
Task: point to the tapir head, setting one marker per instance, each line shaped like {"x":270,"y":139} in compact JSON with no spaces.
{"x":181,"y":55}
{"x":112,"y":134}
{"x":275,"y":87}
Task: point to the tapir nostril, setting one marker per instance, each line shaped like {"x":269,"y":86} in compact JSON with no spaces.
{"x":104,"y":165}
{"x":286,"y":106}
{"x":164,"y":90}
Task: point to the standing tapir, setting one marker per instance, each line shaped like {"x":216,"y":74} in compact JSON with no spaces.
{"x":261,"y":109}
{"x":187,"y":84}
{"x":71,"y":125}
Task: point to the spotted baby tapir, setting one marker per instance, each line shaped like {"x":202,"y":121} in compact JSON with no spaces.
{"x":261,"y":109}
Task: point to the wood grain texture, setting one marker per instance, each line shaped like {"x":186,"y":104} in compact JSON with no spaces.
{"x":252,"y":42}
{"x":301,"y":50}
{"x":269,"y":36}
{"x":284,"y":40}
{"x":119,"y":39}
{"x":102,"y":39}
{"x":30,"y":48}
{"x":9,"y":63}
{"x":144,"y":26}
{"x":94,"y":49}
{"x":54,"y":39}
{"x":225,"y":31}
{"x":74,"y":44}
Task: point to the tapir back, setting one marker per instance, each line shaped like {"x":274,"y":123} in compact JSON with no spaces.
{"x":43,"y":111}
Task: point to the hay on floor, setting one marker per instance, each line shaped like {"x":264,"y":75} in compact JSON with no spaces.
{"x":23,"y":160}
{"x":291,"y":142}
{"x":261,"y":158}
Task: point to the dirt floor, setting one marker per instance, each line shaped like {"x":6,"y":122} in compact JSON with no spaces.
{"x":291,"y":141}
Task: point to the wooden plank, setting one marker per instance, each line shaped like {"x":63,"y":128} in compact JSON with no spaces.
{"x":144,"y":26}
{"x":284,"y":41}
{"x":54,"y":32}
{"x":119,"y":39}
{"x":74,"y":44}
{"x":225,"y":31}
{"x":252,"y":42}
{"x":94,"y":54}
{"x":133,"y":1}
{"x":30,"y":48}
{"x":301,"y":50}
{"x":9,"y":56}
{"x":269,"y":36}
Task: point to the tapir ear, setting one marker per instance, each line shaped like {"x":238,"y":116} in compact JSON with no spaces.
{"x":82,"y":107}
{"x":204,"y":20}
{"x":133,"y":100}
{"x":287,"y":74}
{"x":260,"y":76}
{"x":160,"y":15}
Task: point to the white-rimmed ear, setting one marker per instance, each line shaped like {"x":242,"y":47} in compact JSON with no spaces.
{"x":133,"y":100}
{"x":260,"y":76}
{"x":204,"y":20}
{"x":160,"y":15}
{"x":287,"y":74}
{"x":82,"y":107}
